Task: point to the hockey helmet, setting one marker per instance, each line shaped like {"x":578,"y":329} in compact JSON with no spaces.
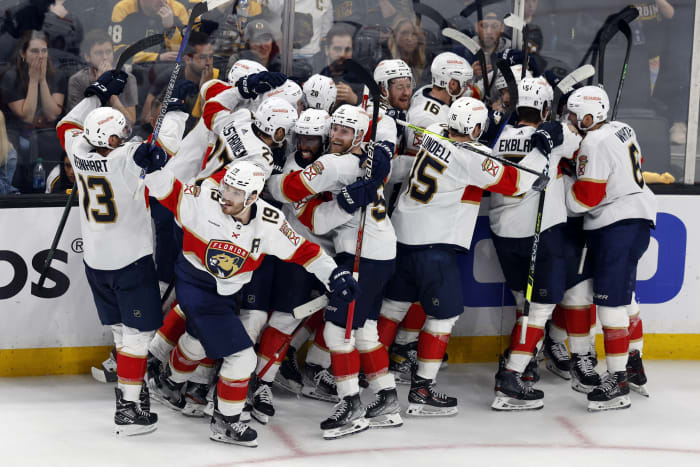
{"x":535,"y":93}
{"x":242,"y":175}
{"x":275,"y":113}
{"x":104,"y":122}
{"x":589,"y":100}
{"x":465,"y":114}
{"x":320,"y":92}
{"x":449,"y":66}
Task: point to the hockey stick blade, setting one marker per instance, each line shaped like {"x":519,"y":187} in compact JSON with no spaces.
{"x":470,"y":44}
{"x":139,"y":46}
{"x":579,"y":75}
{"x":310,"y":307}
{"x":514,"y":21}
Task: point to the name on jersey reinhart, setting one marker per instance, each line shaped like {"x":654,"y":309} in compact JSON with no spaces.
{"x":92,"y":165}
{"x":624,"y":133}
{"x":436,"y":149}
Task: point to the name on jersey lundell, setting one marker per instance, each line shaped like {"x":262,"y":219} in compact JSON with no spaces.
{"x":91,"y":165}
{"x":436,"y":149}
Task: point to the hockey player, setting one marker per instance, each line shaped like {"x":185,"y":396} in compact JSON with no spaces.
{"x":620,"y":210}
{"x":512,"y":222}
{"x":320,"y":93}
{"x":118,"y":242}
{"x":227,"y":231}
{"x":338,"y":172}
{"x":435,"y":218}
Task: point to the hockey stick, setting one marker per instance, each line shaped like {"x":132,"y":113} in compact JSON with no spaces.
{"x":310,"y":307}
{"x":517,"y":23}
{"x":625,"y":29}
{"x":198,"y":10}
{"x":129,"y":52}
{"x":282,"y":350}
{"x":474,"y":48}
{"x":368,"y":80}
{"x":566,"y":85}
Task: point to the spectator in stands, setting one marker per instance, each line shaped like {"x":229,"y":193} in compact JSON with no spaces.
{"x":369,"y":12}
{"x":98,"y":52}
{"x":199,"y":68}
{"x":63,"y":28}
{"x":338,"y":48}
{"x":33,"y":92}
{"x":407,"y":42}
{"x":135,"y":19}
{"x":490,"y":32}
{"x":8,"y":161}
{"x":530,"y":9}
{"x":260,"y":45}
{"x":61,"y":178}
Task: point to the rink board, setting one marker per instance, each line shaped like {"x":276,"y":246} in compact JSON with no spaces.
{"x":55,"y":330}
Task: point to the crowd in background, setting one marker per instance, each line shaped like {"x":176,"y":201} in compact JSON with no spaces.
{"x":52,"y":50}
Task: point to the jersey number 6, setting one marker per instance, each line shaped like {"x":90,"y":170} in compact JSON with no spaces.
{"x":636,"y":165}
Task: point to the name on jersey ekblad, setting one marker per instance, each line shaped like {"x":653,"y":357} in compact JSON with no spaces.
{"x":224,"y":259}
{"x":90,"y":165}
{"x":624,"y":133}
{"x":313,"y":170}
{"x":582,"y":161}
{"x":514,"y":145}
{"x":233,"y":141}
{"x":436,"y":149}
{"x":288,"y":232}
{"x":490,"y":167}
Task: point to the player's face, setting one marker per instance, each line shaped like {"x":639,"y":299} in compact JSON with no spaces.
{"x":101,"y":53}
{"x":341,"y":138}
{"x":400,"y":90}
{"x":455,"y":88}
{"x":309,"y":146}
{"x":232,"y":200}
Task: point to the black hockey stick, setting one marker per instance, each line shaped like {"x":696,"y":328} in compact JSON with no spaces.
{"x":473,"y":47}
{"x":365,"y":77}
{"x":625,"y":29}
{"x":129,"y":52}
{"x":566,"y":85}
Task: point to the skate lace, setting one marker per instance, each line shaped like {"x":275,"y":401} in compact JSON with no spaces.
{"x":293,"y":361}
{"x":239,"y":428}
{"x":526,"y":388}
{"x":560,"y":352}
{"x":264,"y":394}
{"x":609,"y":383}
{"x":340,"y":409}
{"x":585,"y":364}
{"x":325,"y":377}
{"x":376,"y":402}
{"x":436,"y":394}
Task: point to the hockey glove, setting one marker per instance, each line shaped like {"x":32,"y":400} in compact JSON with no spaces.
{"x":150,"y":158}
{"x":181,"y":91}
{"x":381,"y":160}
{"x":252,"y":86}
{"x":547,"y":136}
{"x":342,"y":285}
{"x":357,"y":195}
{"x":110,"y":83}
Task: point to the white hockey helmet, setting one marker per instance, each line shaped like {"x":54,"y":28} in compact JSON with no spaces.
{"x":449,"y":66}
{"x":320,"y":92}
{"x":387,"y":70}
{"x":245,"y":176}
{"x":517,"y":70}
{"x":589,"y":100}
{"x":289,"y":91}
{"x":535,"y":93}
{"x":313,"y":122}
{"x":243,"y":68}
{"x":104,"y":122}
{"x":352,"y":117}
{"x":465,"y":114}
{"x":275,"y":113}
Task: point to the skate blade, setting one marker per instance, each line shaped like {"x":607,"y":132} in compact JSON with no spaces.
{"x":133,"y":430}
{"x":420,"y":410}
{"x":391,"y":420}
{"x":288,"y":385}
{"x":560,"y":373}
{"x":640,"y":389}
{"x":262,"y":418}
{"x":223,"y":439}
{"x":621,"y":402}
{"x":192,"y":409}
{"x":103,"y":376}
{"x":311,"y":393}
{"x":356,"y":426}
{"x":506,"y":404}
{"x":578,"y":386}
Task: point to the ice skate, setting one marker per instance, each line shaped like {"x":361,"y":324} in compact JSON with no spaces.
{"x":583,"y":375}
{"x":319,"y":384}
{"x":531,"y":375}
{"x":557,"y":359}
{"x":195,"y":399}
{"x":289,"y":376}
{"x":424,"y":401}
{"x":385,"y":411}
{"x":513,"y":394}
{"x":613,"y":394}
{"x":262,"y":402}
{"x":166,"y":391}
{"x":232,"y":431}
{"x":636,"y":377}
{"x":130,"y":419}
{"x":211,"y":395}
{"x":107,"y":373}
{"x":348,"y":417}
{"x":403,"y":362}
{"x":153,"y":366}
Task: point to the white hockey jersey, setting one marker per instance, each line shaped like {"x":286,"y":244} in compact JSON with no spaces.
{"x":609,"y":185}
{"x":116,"y":228}
{"x":425,"y":110}
{"x":440,"y":204}
{"x":330,"y":173}
{"x":226,"y":249}
{"x":515,"y":216}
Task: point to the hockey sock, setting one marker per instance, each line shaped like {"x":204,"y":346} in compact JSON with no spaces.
{"x":635,"y":330}
{"x":234,"y":376}
{"x":318,"y":353}
{"x":346,"y":368}
{"x":387,"y":329}
{"x":594,"y":313}
{"x":374,"y":357}
{"x":578,"y":327}
{"x":204,"y":372}
{"x":557,"y":327}
{"x":167,"y":336}
{"x":182,"y":365}
{"x":521,"y":354}
{"x":391,"y":314}
{"x":305,"y":332}
{"x":253,"y":321}
{"x":615,"y":332}
{"x":131,"y":361}
{"x":411,"y":325}
{"x":271,"y":341}
{"x":432,"y":343}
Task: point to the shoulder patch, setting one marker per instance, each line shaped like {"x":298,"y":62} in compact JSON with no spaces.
{"x":490,"y":167}
{"x":313,"y":170}
{"x":582,"y":161}
{"x":291,"y":235}
{"x":192,"y":190}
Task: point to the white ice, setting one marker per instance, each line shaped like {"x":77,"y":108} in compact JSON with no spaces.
{"x":67,"y":421}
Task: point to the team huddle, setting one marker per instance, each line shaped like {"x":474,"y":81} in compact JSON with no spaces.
{"x":277,"y":198}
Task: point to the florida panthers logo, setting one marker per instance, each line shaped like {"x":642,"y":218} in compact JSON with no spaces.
{"x":224,"y":259}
